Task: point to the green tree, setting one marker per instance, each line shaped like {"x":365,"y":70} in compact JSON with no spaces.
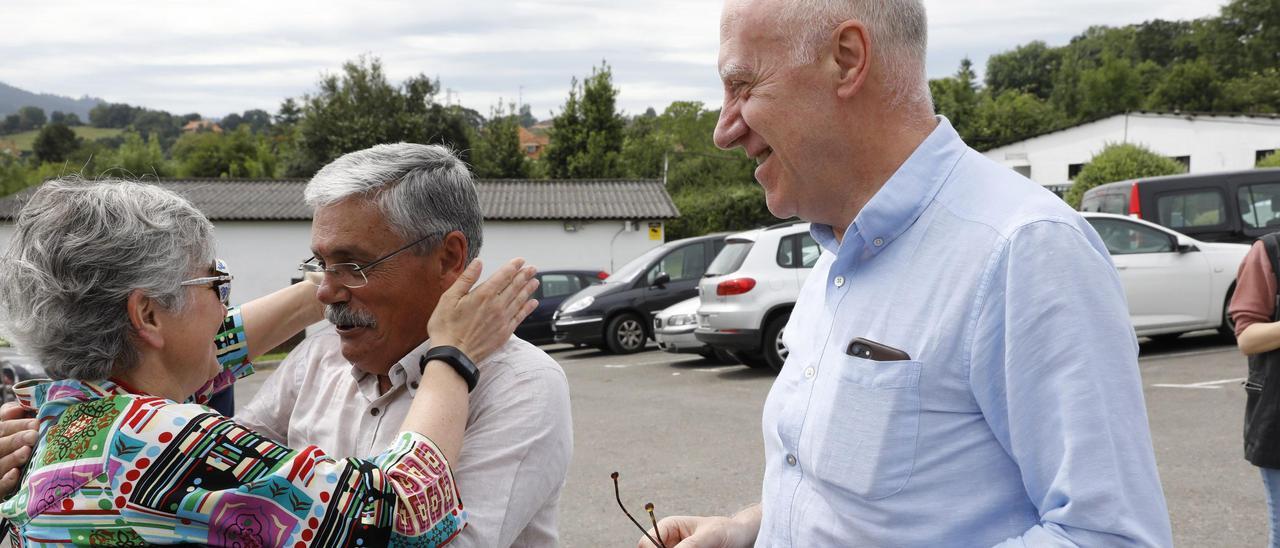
{"x":1190,"y":86}
{"x":13,"y":174}
{"x":55,"y":143}
{"x":1012,"y":116}
{"x":1270,"y":160}
{"x":1258,"y":93}
{"x":361,"y":108}
{"x":30,"y":118}
{"x":113,"y":115}
{"x":1255,"y":27}
{"x":497,"y":153}
{"x":232,"y":154}
{"x":1115,"y":86}
{"x":1029,"y":68}
{"x":587,"y":135}
{"x":527,"y":119}
{"x":1119,"y":162}
{"x":139,"y":158}
{"x":957,"y":99}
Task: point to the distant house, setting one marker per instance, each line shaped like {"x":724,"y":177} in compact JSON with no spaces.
{"x":264,"y":228}
{"x":196,"y":126}
{"x":533,"y":141}
{"x":1201,"y":142}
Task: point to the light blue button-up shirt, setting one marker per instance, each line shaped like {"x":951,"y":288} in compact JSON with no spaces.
{"x":1019,"y":417}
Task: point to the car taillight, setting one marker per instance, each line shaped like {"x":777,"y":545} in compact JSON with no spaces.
{"x":735,"y":287}
{"x":1135,"y":207}
{"x":602,"y":274}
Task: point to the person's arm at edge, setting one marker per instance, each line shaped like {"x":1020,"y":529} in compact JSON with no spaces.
{"x":1253,"y":304}
{"x":739,"y":531}
{"x":1054,"y":370}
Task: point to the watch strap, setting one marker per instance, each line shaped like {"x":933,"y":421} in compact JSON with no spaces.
{"x":457,"y":360}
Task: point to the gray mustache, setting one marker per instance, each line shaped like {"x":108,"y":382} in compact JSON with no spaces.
{"x":342,"y":314}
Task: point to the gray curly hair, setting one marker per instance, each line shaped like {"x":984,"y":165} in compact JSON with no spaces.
{"x":421,"y":190}
{"x":79,"y":250}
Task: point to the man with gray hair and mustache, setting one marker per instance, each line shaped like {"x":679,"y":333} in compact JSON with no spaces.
{"x":394,"y":226}
{"x":962,"y":371}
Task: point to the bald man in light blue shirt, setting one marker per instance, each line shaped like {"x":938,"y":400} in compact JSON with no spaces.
{"x":962,"y":370}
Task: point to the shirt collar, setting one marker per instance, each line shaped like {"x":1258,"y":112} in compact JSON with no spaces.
{"x":903,"y":198}
{"x":406,"y":370}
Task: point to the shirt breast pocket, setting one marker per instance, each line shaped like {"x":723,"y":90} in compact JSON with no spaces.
{"x":866,"y":444}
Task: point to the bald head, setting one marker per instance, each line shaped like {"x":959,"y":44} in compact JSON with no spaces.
{"x":898,"y":31}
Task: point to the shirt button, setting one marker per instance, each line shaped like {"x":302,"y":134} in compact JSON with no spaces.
{"x":809,"y":372}
{"x":839,"y":281}
{"x":791,"y":459}
{"x":878,"y":242}
{"x":374,"y":411}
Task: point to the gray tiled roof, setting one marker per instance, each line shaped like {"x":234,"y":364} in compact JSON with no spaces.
{"x":500,"y":199}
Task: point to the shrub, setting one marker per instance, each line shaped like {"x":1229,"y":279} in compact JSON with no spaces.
{"x":1119,"y":162}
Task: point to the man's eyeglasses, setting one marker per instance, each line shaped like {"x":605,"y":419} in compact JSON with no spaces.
{"x":220,"y":284}
{"x":351,"y":274}
{"x":647,"y":508}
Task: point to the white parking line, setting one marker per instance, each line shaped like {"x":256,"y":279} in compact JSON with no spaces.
{"x":1207,"y":385}
{"x":1186,"y":354}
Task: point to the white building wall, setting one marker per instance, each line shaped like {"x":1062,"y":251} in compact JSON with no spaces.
{"x":602,"y":245}
{"x":264,"y":255}
{"x":1214,"y":143}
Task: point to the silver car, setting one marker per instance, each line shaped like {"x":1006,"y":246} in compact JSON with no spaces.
{"x":749,"y":290}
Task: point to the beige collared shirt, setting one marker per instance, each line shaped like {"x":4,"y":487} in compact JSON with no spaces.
{"x":515,"y":451}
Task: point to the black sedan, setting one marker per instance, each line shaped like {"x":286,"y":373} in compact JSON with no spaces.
{"x":556,"y":285}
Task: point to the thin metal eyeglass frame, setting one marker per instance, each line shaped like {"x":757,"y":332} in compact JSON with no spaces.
{"x":308,"y":266}
{"x":648,"y":507}
{"x":221,"y":282}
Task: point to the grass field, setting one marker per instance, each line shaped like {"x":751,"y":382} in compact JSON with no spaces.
{"x":26,"y":138}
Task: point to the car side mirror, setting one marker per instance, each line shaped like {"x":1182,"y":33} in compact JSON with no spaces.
{"x":1184,"y":245}
{"x":661,"y":279}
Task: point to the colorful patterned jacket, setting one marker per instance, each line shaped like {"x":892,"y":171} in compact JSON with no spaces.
{"x":114,"y":468}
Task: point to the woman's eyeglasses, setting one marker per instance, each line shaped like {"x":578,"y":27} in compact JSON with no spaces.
{"x":647,"y":508}
{"x":221,"y":284}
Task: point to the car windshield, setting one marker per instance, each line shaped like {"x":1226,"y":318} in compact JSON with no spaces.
{"x":629,"y":271}
{"x":730,"y":258}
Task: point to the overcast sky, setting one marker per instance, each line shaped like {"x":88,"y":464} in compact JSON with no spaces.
{"x":223,"y":56}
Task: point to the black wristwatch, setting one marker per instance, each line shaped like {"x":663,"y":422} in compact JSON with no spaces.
{"x":456,"y":359}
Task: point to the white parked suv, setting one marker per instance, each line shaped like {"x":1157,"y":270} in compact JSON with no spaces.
{"x":749,"y":289}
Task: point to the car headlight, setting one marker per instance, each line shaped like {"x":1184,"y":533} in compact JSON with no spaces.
{"x":682,"y":319}
{"x":578,"y":305}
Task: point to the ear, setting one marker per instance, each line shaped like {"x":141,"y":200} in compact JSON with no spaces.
{"x":452,"y":255}
{"x":852,"y":55}
{"x":145,"y":320}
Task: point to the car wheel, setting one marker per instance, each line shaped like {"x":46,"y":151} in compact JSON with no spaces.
{"x":1228,"y":326}
{"x":774,"y":350}
{"x":625,"y":334}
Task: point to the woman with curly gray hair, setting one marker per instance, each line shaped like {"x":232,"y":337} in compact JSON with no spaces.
{"x":113,"y":286}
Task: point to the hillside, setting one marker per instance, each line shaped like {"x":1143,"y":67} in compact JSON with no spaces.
{"x":25,"y":139}
{"x":12,"y":99}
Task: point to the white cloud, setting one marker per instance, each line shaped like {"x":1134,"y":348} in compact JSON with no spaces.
{"x":231,"y":55}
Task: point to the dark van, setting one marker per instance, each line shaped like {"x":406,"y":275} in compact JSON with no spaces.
{"x":1233,"y":206}
{"x":617,"y":315}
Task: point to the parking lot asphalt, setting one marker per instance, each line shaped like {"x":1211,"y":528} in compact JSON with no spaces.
{"x":684,"y":434}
